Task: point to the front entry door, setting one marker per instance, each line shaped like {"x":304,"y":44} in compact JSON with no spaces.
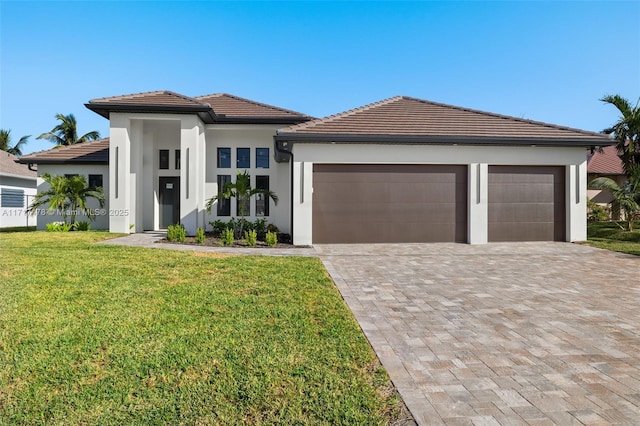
{"x":169,"y":201}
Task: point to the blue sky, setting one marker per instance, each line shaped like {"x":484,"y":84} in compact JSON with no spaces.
{"x":547,"y":61}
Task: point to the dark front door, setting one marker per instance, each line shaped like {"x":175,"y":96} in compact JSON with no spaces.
{"x":169,"y":201}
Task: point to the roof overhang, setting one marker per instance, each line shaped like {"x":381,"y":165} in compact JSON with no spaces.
{"x":284,"y":141}
{"x":205,"y":112}
{"x":17,"y":176}
{"x":61,"y":161}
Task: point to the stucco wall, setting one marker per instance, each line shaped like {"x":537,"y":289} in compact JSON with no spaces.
{"x":136,"y":140}
{"x":102,"y":217}
{"x":17,"y":216}
{"x":478,"y":158}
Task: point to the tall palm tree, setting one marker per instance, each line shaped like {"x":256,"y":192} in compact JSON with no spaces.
{"x":626,"y":131}
{"x":240,"y":190}
{"x":66,"y":133}
{"x":627,"y":195}
{"x":68,"y":195}
{"x":5,"y":143}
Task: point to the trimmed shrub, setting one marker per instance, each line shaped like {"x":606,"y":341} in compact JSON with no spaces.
{"x":58,"y":227}
{"x":227,"y":238}
{"x":271,"y":239}
{"x":260,"y":226}
{"x":82,"y":226}
{"x":218,"y":226}
{"x":250,"y":237}
{"x":176,"y":233}
{"x":200,"y":236}
{"x":272,"y":228}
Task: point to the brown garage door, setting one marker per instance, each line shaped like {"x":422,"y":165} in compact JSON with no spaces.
{"x":526,"y":203}
{"x":377,"y":203}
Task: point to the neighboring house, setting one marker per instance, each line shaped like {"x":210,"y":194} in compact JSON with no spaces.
{"x":17,"y":189}
{"x":604,"y":164}
{"x":398,"y":170}
{"x":90,"y":159}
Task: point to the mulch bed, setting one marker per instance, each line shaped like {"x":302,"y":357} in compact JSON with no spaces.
{"x":217,"y":242}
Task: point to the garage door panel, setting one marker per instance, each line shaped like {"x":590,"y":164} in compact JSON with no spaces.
{"x":522,"y":231}
{"x":516,"y":193}
{"x":389,"y":203}
{"x":524,"y":212}
{"x":526,"y":203}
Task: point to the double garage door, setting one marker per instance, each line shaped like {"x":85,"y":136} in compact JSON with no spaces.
{"x":384,"y":203}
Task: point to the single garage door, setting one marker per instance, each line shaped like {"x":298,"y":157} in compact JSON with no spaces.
{"x":384,"y":203}
{"x":526,"y":203}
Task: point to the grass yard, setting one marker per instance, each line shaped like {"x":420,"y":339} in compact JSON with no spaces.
{"x":608,"y":235}
{"x":95,"y":334}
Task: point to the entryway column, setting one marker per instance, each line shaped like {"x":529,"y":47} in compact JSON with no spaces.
{"x":478,"y":220}
{"x":192,"y":173}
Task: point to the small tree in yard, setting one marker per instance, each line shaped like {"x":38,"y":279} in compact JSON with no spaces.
{"x":69,"y":195}
{"x":240,"y":190}
{"x":627,"y":195}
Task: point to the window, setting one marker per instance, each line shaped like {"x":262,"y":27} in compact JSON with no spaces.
{"x":95,"y":181}
{"x":70,"y":176}
{"x":243,"y":158}
{"x":164,"y":159}
{"x":12,"y":198}
{"x":262,"y":158}
{"x":224,"y":158}
{"x":177,"y":164}
{"x":224,"y":206}
{"x":262,"y":200}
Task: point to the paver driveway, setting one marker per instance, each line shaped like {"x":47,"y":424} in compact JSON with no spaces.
{"x":526,"y":333}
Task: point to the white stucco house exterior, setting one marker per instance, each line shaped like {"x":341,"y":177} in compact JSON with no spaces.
{"x":17,"y":189}
{"x":399,"y":170}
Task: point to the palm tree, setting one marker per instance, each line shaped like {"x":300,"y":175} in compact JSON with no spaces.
{"x":626,"y":196}
{"x":626,"y":131}
{"x":66,"y":133}
{"x":5,"y":143}
{"x":68,"y":195}
{"x":240,"y":190}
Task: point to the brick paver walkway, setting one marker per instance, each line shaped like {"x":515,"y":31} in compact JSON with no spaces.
{"x":500,"y":334}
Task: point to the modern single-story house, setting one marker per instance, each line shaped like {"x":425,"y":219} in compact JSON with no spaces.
{"x":399,"y":170}
{"x":17,"y":189}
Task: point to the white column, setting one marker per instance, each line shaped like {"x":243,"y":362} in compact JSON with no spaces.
{"x":136,"y":175}
{"x":119,"y":177}
{"x":192,"y":173}
{"x":576,"y":202}
{"x":302,"y":203}
{"x":478,"y":207}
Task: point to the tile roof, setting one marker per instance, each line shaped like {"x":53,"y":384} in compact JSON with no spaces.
{"x":8,"y":166}
{"x":217,"y":107}
{"x":160,"y":97}
{"x":87,"y":152}
{"x":403,"y":116}
{"x":606,"y":162}
{"x":235,"y":106}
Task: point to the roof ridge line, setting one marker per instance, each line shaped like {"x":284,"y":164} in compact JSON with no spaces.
{"x":140,"y":94}
{"x":273,"y":107}
{"x":503,"y":116}
{"x":343,"y":114}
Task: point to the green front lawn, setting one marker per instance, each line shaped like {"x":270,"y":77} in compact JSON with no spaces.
{"x":95,"y":334}
{"x":608,"y":235}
